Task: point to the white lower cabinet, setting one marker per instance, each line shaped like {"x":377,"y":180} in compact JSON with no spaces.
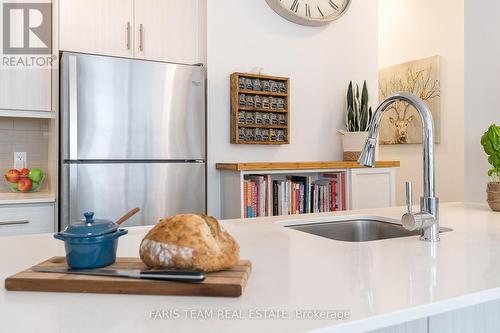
{"x":416,"y":326}
{"x":26,"y":219}
{"x":372,"y":188}
{"x":481,"y":318}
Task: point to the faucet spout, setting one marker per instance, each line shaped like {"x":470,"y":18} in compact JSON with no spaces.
{"x":427,"y":219}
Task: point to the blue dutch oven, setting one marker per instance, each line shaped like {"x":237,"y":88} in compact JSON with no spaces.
{"x":91,"y":243}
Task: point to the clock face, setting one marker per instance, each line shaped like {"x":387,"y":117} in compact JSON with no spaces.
{"x":310,"y":12}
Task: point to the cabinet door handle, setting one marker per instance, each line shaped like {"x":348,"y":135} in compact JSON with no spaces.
{"x":13,"y":222}
{"x":128,"y":35}
{"x":141,"y":37}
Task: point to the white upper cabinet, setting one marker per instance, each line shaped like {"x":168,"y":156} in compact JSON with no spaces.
{"x":97,"y":26}
{"x":163,"y":30}
{"x":25,"y":78}
{"x":26,"y":89}
{"x":168,"y":30}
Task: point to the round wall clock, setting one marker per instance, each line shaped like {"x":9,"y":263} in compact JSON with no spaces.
{"x":310,"y":12}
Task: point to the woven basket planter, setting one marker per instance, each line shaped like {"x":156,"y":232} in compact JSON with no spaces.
{"x":353,"y":143}
{"x":493,"y":190}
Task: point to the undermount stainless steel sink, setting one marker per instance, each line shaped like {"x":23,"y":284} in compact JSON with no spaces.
{"x":360,"y":229}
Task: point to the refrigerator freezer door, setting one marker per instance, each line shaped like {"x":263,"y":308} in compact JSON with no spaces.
{"x":110,"y":190}
{"x":127,"y":109}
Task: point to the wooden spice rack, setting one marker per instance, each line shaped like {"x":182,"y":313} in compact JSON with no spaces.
{"x":237,"y":109}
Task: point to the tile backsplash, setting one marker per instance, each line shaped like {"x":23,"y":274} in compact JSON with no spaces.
{"x":23,"y":134}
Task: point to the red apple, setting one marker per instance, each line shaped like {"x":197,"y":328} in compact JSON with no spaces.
{"x":25,"y":171}
{"x":12,"y":176}
{"x":24,"y":184}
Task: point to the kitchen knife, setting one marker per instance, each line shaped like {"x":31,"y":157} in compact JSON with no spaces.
{"x":164,"y":275}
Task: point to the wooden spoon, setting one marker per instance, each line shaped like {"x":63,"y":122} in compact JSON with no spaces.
{"x":128,"y":215}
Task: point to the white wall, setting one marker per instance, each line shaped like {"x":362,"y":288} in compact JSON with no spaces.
{"x":482,"y":89}
{"x":412,"y":29}
{"x":245,"y":34}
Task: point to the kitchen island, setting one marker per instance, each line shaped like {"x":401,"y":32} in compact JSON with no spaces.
{"x":296,"y":277}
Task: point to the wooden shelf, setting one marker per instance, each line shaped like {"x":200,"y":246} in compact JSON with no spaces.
{"x":250,"y":108}
{"x":237,"y":110}
{"x":262,"y":126}
{"x":259,"y":92}
{"x":363,"y":187}
{"x":300,"y":165}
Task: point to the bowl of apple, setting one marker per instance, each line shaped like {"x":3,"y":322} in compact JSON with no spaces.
{"x":24,"y":180}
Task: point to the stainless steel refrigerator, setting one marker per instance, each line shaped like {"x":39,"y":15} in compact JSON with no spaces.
{"x":132,"y":135}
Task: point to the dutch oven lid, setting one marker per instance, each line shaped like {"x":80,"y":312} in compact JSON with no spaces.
{"x":90,"y":227}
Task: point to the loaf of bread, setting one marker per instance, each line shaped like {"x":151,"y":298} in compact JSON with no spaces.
{"x":189,"y":241}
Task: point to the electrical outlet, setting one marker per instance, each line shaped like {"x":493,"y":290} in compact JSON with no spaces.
{"x":20,"y":160}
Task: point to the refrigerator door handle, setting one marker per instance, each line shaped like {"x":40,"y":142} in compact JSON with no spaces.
{"x":73,"y":107}
{"x":73,"y":191}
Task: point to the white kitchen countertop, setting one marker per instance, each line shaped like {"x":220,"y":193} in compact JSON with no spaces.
{"x":381,"y":283}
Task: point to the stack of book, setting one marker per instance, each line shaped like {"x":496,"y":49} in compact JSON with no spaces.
{"x":257,"y":193}
{"x":264,"y":196}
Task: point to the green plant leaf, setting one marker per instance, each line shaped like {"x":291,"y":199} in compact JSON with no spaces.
{"x":350,"y":96}
{"x":364,"y":96}
{"x":358,"y":112}
{"x":490,"y":141}
{"x":350,"y":119}
{"x":349,"y":108}
{"x":364,"y":119}
{"x":494,"y":160}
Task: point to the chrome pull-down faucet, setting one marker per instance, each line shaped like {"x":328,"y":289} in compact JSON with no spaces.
{"x":427,"y":220}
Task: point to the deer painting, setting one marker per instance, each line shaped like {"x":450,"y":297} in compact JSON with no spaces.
{"x":401,"y":125}
{"x":419,"y":78}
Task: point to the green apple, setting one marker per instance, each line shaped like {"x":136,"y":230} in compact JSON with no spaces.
{"x":36,"y":175}
{"x":35,"y":186}
{"x":14,"y":186}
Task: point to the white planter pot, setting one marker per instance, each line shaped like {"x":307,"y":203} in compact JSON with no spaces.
{"x":353,"y":143}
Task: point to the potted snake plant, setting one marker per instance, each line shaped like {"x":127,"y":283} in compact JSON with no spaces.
{"x":358,"y":116}
{"x":491,"y":144}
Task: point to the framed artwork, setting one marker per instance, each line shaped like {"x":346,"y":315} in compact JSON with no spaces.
{"x":401,"y":124}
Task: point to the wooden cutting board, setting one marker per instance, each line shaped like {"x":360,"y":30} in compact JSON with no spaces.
{"x":228,"y":283}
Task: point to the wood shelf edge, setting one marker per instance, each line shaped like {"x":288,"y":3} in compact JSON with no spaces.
{"x":275,"y":143}
{"x":261,"y":92}
{"x":269,"y":110}
{"x":259,"y":76}
{"x":262,"y":126}
{"x":263,"y":166}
